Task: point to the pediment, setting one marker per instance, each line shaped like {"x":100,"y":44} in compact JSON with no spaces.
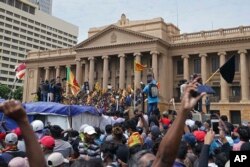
{"x":114,"y":35}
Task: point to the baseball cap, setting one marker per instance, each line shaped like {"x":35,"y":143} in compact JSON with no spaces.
{"x":155,"y":131}
{"x":199,"y":135}
{"x":89,"y":130}
{"x":48,"y":142}
{"x":189,"y":138}
{"x":19,"y":162}
{"x":81,"y":130}
{"x":56,"y":159}
{"x":11,"y":138}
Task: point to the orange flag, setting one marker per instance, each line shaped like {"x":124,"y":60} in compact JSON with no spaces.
{"x":139,"y":67}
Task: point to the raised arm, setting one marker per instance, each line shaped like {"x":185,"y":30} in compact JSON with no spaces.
{"x":13,"y":109}
{"x":170,"y":143}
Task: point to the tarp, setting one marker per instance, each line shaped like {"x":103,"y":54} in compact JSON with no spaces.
{"x":50,"y":108}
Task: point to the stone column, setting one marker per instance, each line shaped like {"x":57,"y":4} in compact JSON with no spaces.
{"x":86,"y":71}
{"x":203,"y":57}
{"x":137,"y":73}
{"x":155,"y":63}
{"x":122,"y":71}
{"x":186,"y":74}
{"x":57,"y":71}
{"x":91,"y":72}
{"x":46,"y":73}
{"x":79,"y":71}
{"x":244,"y":76}
{"x":223,"y":83}
{"x":105,"y":72}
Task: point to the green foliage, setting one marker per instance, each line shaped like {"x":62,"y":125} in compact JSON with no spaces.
{"x":18,"y":94}
{"x":4,"y":91}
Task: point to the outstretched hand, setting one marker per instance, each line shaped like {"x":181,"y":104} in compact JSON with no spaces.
{"x":14,"y":110}
{"x":189,"y":100}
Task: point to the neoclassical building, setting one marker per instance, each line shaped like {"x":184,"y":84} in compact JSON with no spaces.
{"x":107,"y":56}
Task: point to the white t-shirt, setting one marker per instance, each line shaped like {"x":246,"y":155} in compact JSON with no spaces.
{"x":190,"y":123}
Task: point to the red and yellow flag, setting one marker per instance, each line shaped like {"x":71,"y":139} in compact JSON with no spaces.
{"x":72,"y":82}
{"x":139,"y":67}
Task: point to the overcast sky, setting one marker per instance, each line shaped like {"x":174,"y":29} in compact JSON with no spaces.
{"x":193,"y":15}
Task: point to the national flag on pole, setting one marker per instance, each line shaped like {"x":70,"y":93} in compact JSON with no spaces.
{"x":20,"y":70}
{"x":227,"y":70}
{"x":139,"y":67}
{"x":72,"y":82}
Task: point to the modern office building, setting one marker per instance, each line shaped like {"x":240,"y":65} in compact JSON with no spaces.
{"x":43,"y":5}
{"x":108,"y":56}
{"x":23,"y":28}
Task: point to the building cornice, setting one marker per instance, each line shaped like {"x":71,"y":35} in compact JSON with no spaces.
{"x":210,"y":42}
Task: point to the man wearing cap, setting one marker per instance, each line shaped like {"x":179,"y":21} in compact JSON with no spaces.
{"x":155,"y":134}
{"x":47,"y":144}
{"x":11,"y":150}
{"x":56,"y":160}
{"x":88,"y":148}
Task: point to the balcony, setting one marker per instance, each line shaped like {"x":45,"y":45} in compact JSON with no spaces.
{"x":234,"y":98}
{"x":214,"y":99}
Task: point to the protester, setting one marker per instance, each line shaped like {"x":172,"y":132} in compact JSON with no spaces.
{"x":47,"y":144}
{"x":61,"y":146}
{"x":151,"y":89}
{"x":56,"y":160}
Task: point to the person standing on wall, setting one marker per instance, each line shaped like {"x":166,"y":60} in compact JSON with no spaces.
{"x":152,"y":92}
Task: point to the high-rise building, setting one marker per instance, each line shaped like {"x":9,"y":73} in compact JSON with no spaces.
{"x":24,"y":28}
{"x":43,"y":5}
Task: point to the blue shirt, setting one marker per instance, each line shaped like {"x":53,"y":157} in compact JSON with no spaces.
{"x":146,"y":90}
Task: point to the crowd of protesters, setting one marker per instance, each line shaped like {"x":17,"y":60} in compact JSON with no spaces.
{"x":145,"y":140}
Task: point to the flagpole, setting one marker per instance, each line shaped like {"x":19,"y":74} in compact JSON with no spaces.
{"x":212,"y":76}
{"x":12,"y":88}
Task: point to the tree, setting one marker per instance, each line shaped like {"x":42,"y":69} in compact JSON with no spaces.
{"x":18,"y":94}
{"x":4,"y":91}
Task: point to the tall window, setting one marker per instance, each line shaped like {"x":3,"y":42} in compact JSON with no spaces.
{"x":197,"y":66}
{"x":236,"y":91}
{"x":179,"y":67}
{"x":215,"y":63}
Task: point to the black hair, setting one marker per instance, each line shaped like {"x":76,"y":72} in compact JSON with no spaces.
{"x":56,"y":131}
{"x":198,"y":123}
{"x":245,"y":147}
{"x":244,"y":133}
{"x":224,"y":118}
{"x":108,"y":129}
{"x":182,"y":151}
{"x":131,"y":124}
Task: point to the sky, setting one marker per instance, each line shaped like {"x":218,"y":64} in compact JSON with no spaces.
{"x":189,"y":15}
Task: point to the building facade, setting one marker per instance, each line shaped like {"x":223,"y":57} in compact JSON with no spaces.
{"x":23,"y":28}
{"x":43,"y":5}
{"x":108,"y":56}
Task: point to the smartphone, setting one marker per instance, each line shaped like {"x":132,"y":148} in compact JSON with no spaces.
{"x":215,"y":126}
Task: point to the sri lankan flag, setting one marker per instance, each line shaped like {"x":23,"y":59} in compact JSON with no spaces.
{"x":139,"y":67}
{"x":72,"y":82}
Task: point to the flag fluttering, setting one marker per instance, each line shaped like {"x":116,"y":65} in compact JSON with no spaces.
{"x":72,"y":82}
{"x":20,"y":70}
{"x":139,"y":67}
{"x":227,"y":70}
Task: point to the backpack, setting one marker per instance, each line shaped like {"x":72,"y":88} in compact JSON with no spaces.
{"x":153,"y":90}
